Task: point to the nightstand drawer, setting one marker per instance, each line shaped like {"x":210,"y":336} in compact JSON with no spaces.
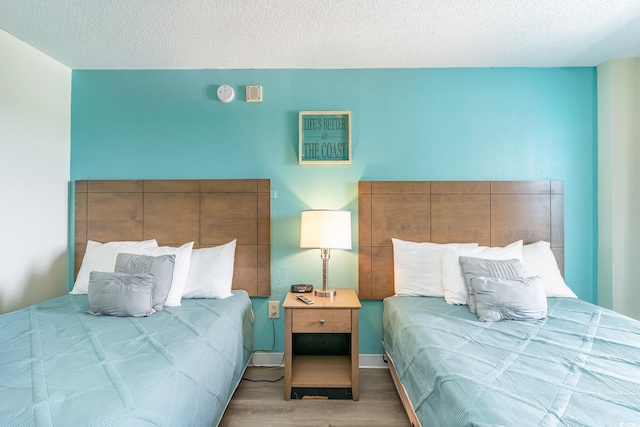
{"x":321,"y":320}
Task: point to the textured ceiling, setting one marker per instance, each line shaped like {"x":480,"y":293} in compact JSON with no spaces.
{"x":228,"y":34}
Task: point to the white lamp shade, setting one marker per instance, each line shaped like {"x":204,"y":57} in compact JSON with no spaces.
{"x":325,"y":229}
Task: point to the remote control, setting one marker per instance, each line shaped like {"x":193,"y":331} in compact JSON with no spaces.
{"x":304,"y":299}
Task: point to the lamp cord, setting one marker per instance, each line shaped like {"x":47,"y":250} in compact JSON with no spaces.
{"x":273,"y":325}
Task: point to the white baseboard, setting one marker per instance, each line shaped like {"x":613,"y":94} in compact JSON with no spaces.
{"x":373,"y":361}
{"x":267,"y":359}
{"x":367,"y":361}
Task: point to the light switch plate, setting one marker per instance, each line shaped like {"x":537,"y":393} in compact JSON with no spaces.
{"x":274,"y":309}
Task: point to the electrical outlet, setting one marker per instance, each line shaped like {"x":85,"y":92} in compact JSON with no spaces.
{"x":274,"y":309}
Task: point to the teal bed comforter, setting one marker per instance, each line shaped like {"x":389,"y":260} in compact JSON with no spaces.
{"x":578,"y":367}
{"x":60,"y":366}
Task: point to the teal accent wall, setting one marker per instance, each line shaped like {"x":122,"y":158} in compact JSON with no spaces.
{"x":408,"y":124}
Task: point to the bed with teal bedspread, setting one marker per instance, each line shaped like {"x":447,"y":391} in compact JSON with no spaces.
{"x":578,"y":367}
{"x":60,"y":366}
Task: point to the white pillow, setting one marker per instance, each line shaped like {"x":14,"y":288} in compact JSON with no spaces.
{"x":211,"y":272}
{"x":180,"y":269}
{"x":538,"y":260}
{"x":417,"y":267}
{"x":102,"y":257}
{"x":455,"y":288}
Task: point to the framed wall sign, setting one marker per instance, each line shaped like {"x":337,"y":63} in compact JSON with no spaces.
{"x":324,"y":137}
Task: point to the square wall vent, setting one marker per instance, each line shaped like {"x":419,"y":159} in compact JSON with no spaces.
{"x":254,"y":93}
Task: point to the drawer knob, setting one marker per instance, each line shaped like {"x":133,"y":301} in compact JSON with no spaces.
{"x":321,"y":321}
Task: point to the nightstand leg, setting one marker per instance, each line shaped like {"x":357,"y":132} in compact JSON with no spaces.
{"x":287,"y":355}
{"x":355,"y":356}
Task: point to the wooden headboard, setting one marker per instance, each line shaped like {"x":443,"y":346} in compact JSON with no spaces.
{"x":174,"y":212}
{"x":491,"y":213}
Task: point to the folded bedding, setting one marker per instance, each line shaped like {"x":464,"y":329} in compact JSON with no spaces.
{"x":61,"y":366}
{"x":579,"y":366}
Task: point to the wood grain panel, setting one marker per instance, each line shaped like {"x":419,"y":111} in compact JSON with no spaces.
{"x":115,"y":186}
{"x":381,"y":271}
{"x":79,"y":250}
{"x":228,"y":216}
{"x":557,"y":187}
{"x":114,"y":230}
{"x":364,"y":239}
{"x":264,"y":186}
{"x":113,"y":216}
{"x":264,"y":269}
{"x":264,"y":218}
{"x":520,"y":216}
{"x":162,"y":206}
{"x":247,"y":256}
{"x":364,"y":219}
{"x":491,"y":213}
{"x":461,"y":187}
{"x":264,"y":256}
{"x":244,"y":279}
{"x":404,"y":216}
{"x":81,"y":186}
{"x":81,"y":215}
{"x":230,"y":186}
{"x":460,"y":218}
{"x":520,"y":187}
{"x":114,"y":206}
{"x":557,"y":220}
{"x":364,"y":187}
{"x":172,"y":218}
{"x":400,"y":187}
{"x":364,"y":272}
{"x":179,"y":211}
{"x":172,"y":186}
{"x":246,"y":267}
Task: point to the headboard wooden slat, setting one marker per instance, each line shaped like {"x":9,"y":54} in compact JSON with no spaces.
{"x":491,"y":213}
{"x":174,"y":212}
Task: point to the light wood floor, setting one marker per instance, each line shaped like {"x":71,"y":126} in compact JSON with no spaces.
{"x":263,"y":404}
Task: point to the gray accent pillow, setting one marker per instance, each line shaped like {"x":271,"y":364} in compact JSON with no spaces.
{"x":160,"y":267}
{"x":481,"y":267}
{"x":516,"y":298}
{"x":120,"y":294}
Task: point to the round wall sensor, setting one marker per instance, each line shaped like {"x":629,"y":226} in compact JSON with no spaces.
{"x":226,"y":94}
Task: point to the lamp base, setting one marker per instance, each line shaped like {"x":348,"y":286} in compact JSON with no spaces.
{"x":325,"y":293}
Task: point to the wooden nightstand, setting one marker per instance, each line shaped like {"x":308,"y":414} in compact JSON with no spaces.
{"x":337,"y":316}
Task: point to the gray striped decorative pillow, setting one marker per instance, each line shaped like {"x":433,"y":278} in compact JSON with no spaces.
{"x":515,"y":298}
{"x":480,"y":267}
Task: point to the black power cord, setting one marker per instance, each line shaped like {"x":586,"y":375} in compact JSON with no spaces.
{"x":273,"y":345}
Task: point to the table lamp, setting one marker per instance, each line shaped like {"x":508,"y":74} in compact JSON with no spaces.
{"x":325,"y":229}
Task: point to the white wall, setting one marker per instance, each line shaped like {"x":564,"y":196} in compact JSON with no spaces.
{"x":35,"y":123}
{"x":619,"y":185}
